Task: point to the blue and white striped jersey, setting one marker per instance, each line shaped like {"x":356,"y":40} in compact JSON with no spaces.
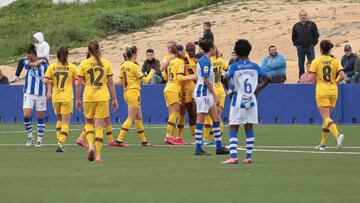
{"x":34,"y":84}
{"x":244,"y":75}
{"x":204,"y":70}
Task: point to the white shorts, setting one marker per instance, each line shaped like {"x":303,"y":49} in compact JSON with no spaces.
{"x":203,"y":104}
{"x":31,"y":100}
{"x":240,"y":115}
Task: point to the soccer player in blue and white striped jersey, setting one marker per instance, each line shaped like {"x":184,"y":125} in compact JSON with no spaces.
{"x":206,"y":100}
{"x":34,"y":95}
{"x":244,"y":76}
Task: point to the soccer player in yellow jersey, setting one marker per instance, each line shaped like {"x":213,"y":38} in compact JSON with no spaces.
{"x":59,"y":77}
{"x":98,"y":73}
{"x":108,"y":131}
{"x":219,"y":66}
{"x":131,"y":78}
{"x":174,"y":75}
{"x":324,"y":70}
{"x":187,"y":97}
{"x":171,"y":49}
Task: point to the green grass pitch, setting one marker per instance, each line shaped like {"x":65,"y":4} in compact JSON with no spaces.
{"x":285,"y":169}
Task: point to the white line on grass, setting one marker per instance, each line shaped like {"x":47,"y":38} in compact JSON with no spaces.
{"x":239,"y":148}
{"x":298,"y":151}
{"x":75,"y":129}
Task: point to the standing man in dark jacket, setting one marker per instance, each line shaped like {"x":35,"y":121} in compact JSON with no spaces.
{"x":305,"y":36}
{"x":348,"y":63}
{"x":208,"y":35}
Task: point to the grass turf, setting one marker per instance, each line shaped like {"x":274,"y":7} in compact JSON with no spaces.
{"x":174,"y":174}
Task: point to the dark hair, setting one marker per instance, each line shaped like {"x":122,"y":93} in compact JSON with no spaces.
{"x":179,"y":47}
{"x":326,"y":46}
{"x":62,"y":55}
{"x":130,"y":51}
{"x":94,"y":49}
{"x":190,"y":45}
{"x":242,"y":48}
{"x":150,"y":51}
{"x":271,"y":46}
{"x":206,"y":45}
{"x":31,"y":49}
{"x":207,"y":23}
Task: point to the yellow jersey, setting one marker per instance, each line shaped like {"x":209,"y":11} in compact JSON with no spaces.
{"x":95,"y":79}
{"x":174,"y":74}
{"x":131,"y":74}
{"x":190,"y":69}
{"x":219,"y":66}
{"x":62,"y":77}
{"x":326,"y":69}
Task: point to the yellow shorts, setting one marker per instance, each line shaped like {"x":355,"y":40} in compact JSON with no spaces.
{"x":96,"y":109}
{"x":132,"y":98}
{"x":221,"y":95}
{"x":326,"y":101}
{"x":172,"y":98}
{"x":63,"y":107}
{"x":187,"y":96}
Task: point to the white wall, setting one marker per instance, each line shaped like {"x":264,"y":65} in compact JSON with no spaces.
{"x":72,"y":1}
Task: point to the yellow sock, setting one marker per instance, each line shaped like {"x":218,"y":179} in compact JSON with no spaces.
{"x":89,"y":128}
{"x":98,"y":141}
{"x":180,"y":126}
{"x":207,"y":127}
{"x":171,"y":124}
{"x":324,"y":134}
{"x":108,"y":132}
{"x":192,"y":131}
{"x":124,"y":129}
{"x":64,"y":133}
{"x":58,"y":129}
{"x":83,"y":134}
{"x":140,"y":130}
{"x":332,"y":127}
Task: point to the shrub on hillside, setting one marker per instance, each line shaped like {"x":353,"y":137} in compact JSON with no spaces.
{"x":122,"y":22}
{"x":66,"y":35}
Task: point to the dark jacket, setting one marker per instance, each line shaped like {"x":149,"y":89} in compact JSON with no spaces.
{"x":305,"y":35}
{"x":208,"y":35}
{"x":4,"y":80}
{"x":148,"y":65}
{"x":348,"y":63}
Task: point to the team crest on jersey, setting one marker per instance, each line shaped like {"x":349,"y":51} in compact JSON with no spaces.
{"x":206,"y":69}
{"x":182,"y":68}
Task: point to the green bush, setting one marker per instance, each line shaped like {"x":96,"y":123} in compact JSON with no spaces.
{"x":122,"y":21}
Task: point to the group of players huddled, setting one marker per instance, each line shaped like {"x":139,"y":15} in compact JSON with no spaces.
{"x":195,"y":84}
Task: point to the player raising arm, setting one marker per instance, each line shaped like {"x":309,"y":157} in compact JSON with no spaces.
{"x":34,"y":95}
{"x":98,"y":73}
{"x":324,"y":70}
{"x":131,"y":78}
{"x":243,"y":105}
{"x":59,"y":77}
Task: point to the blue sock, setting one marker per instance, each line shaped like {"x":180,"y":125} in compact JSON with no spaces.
{"x":233,"y":144}
{"x":250,"y":140}
{"x":198,"y":136}
{"x":41,"y":127}
{"x":28,"y":126}
{"x":217,"y":134}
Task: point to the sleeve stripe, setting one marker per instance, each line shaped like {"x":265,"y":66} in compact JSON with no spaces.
{"x":110,"y":75}
{"x":47,"y":77}
{"x":180,"y":74}
{"x":339,"y":71}
{"x":141,"y":77}
{"x":312,"y":72}
{"x":80,"y":76}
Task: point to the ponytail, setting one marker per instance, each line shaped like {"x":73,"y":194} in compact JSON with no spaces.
{"x":130,"y":51}
{"x":62,"y":55}
{"x":94,"y":50}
